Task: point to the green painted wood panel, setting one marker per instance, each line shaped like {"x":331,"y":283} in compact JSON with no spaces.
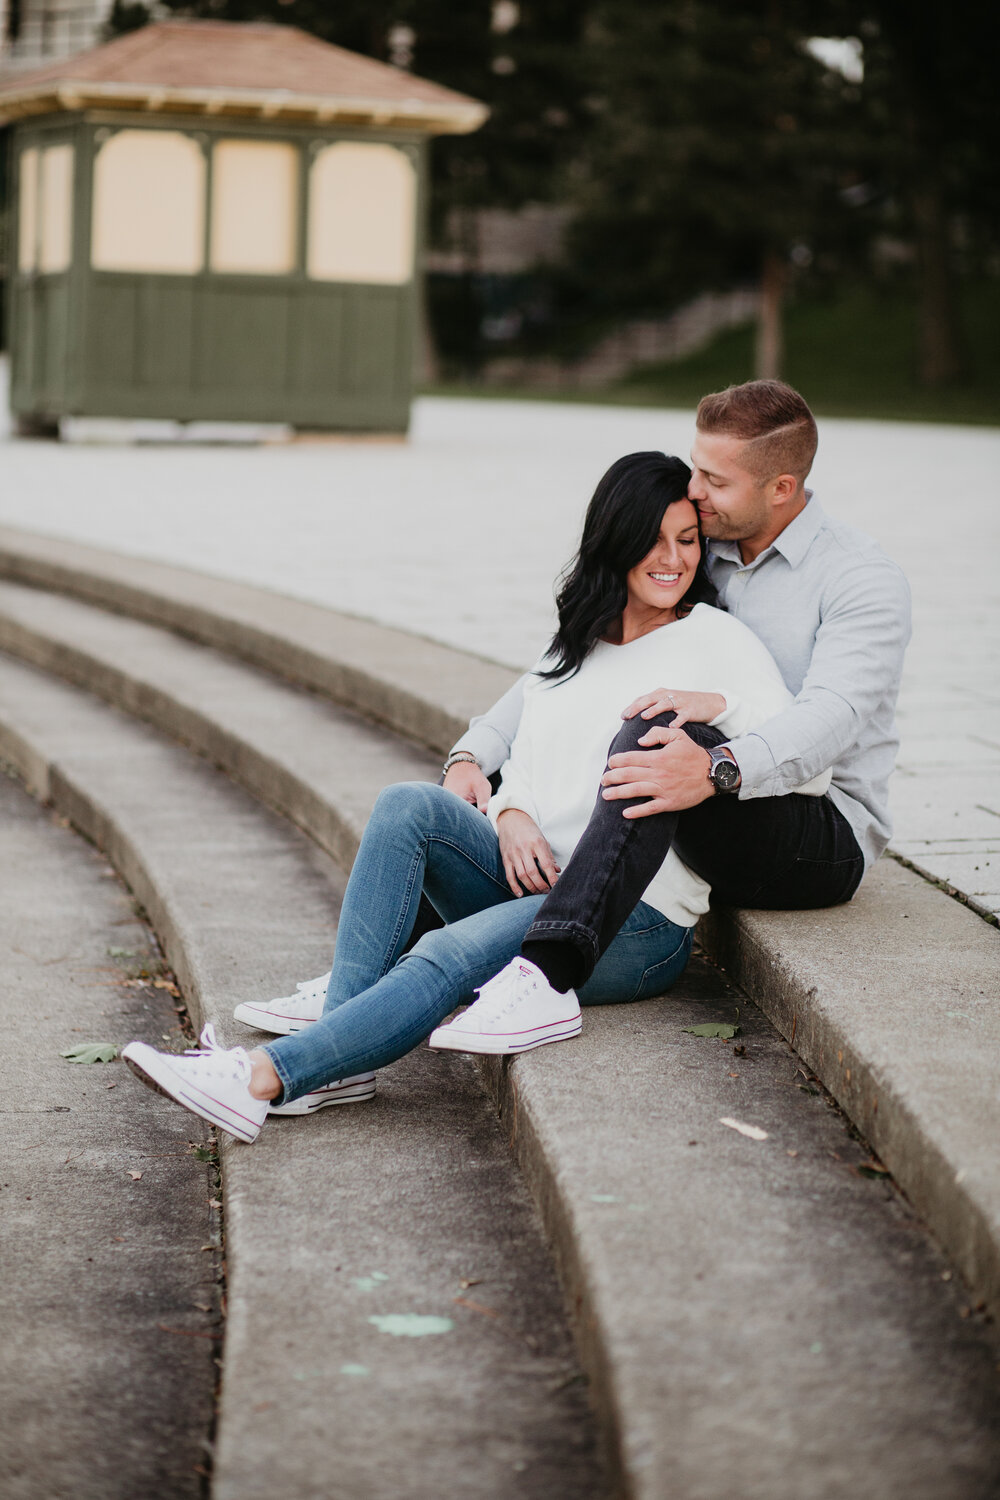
{"x":165,"y":325}
{"x":247,"y":349}
{"x":242,"y":338}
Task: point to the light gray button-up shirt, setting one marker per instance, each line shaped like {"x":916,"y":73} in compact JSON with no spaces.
{"x":834,"y":612}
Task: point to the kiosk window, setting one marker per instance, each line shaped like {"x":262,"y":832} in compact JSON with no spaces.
{"x":362,"y":211}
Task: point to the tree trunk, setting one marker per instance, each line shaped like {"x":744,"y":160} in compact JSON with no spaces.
{"x":770,"y":350}
{"x":939,"y":349}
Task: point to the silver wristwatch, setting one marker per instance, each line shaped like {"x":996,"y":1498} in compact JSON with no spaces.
{"x":723,"y":772}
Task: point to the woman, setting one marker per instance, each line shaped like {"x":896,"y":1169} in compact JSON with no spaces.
{"x":631,"y":612}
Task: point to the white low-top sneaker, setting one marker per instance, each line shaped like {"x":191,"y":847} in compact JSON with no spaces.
{"x":516,"y":1009}
{"x":341,"y":1091}
{"x":290,"y":1013}
{"x":210,"y":1081}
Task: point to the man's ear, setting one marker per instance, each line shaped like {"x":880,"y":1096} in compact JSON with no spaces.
{"x":784,"y":488}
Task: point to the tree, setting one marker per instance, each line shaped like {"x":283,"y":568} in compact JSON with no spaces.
{"x":929,"y":92}
{"x":720,"y":144}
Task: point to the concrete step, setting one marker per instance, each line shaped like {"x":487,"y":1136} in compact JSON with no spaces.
{"x":747,"y":1278}
{"x":318,"y":764}
{"x":893,"y":1000}
{"x":417,"y":687}
{"x":109,"y":1301}
{"x":397,"y":1206}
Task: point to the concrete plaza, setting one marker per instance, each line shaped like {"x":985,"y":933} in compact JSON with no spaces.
{"x":458,"y":533}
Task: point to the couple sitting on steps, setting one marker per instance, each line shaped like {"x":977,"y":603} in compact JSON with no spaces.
{"x":746,"y":648}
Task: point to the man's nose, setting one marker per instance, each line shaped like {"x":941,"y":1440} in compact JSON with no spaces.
{"x":696,"y":486}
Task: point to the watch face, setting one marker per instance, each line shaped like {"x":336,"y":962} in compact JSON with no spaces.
{"x":725,"y":774}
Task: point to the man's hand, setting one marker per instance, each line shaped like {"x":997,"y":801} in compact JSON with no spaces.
{"x":674,"y":777}
{"x":527,"y":858}
{"x":690,"y":708}
{"x":467,"y":781}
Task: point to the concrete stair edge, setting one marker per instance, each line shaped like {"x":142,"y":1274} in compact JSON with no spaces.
{"x":769,"y":955}
{"x":417,"y":687}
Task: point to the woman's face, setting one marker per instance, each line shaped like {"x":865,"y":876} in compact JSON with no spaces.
{"x":667,"y":571}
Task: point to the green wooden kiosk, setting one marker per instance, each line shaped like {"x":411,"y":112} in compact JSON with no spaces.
{"x":218,"y":222}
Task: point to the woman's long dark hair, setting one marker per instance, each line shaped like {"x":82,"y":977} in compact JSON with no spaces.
{"x":621,"y":526}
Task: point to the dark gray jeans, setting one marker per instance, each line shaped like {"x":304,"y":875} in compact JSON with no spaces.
{"x":777,"y":853}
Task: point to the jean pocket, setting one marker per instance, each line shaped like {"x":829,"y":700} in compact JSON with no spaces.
{"x":659,"y":977}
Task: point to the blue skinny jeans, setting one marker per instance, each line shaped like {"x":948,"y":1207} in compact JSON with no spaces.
{"x":382,"y":1002}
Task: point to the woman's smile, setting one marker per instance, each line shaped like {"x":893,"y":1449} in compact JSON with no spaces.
{"x":658,"y":584}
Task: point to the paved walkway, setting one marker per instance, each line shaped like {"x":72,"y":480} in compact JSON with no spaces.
{"x":458,"y":533}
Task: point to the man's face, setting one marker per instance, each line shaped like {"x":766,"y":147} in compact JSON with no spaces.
{"x":732,"y":505}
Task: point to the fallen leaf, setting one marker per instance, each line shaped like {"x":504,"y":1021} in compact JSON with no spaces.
{"x":135,"y":1176}
{"x":714,"y":1028}
{"x":740,"y":1051}
{"x":753,"y":1131}
{"x":122,"y":953}
{"x":168,"y":985}
{"x":91,"y":1052}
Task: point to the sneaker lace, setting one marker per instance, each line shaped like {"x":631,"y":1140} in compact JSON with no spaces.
{"x":503,"y":992}
{"x":229,"y":1060}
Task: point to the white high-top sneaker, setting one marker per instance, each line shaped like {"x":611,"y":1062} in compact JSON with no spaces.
{"x":290,"y":1013}
{"x":210,"y":1081}
{"x":517,"y":1009}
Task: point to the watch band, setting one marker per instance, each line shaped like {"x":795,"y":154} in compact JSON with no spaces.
{"x":723,"y":772}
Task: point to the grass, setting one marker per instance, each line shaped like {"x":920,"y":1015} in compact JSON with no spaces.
{"x":853,"y":356}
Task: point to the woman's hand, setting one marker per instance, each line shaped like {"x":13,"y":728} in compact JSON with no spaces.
{"x":467,"y":781}
{"x":690,"y":708}
{"x":527,"y":858}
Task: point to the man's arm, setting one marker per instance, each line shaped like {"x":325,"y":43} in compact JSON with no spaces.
{"x":856,"y":664}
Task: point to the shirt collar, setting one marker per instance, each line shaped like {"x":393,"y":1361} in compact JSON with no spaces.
{"x":793,"y":543}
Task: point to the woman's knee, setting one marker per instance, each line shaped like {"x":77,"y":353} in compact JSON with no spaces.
{"x":404,"y":801}
{"x":628,"y":737}
{"x":632,"y":730}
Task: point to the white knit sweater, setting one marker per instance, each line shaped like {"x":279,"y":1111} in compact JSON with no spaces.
{"x":561,"y":746}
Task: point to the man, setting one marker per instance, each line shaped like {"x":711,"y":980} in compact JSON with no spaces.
{"x":835,"y":613}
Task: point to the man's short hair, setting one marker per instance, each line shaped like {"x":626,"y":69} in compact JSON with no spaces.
{"x":778,"y":429}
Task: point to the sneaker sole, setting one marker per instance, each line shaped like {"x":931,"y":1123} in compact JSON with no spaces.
{"x":448,"y":1039}
{"x":350,"y":1093}
{"x":187,"y":1095}
{"x":271,"y":1021}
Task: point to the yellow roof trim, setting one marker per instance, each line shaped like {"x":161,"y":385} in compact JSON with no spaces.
{"x":414,"y":114}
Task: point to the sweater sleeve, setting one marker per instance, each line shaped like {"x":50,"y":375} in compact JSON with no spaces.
{"x":490,"y":735}
{"x":516,"y":782}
